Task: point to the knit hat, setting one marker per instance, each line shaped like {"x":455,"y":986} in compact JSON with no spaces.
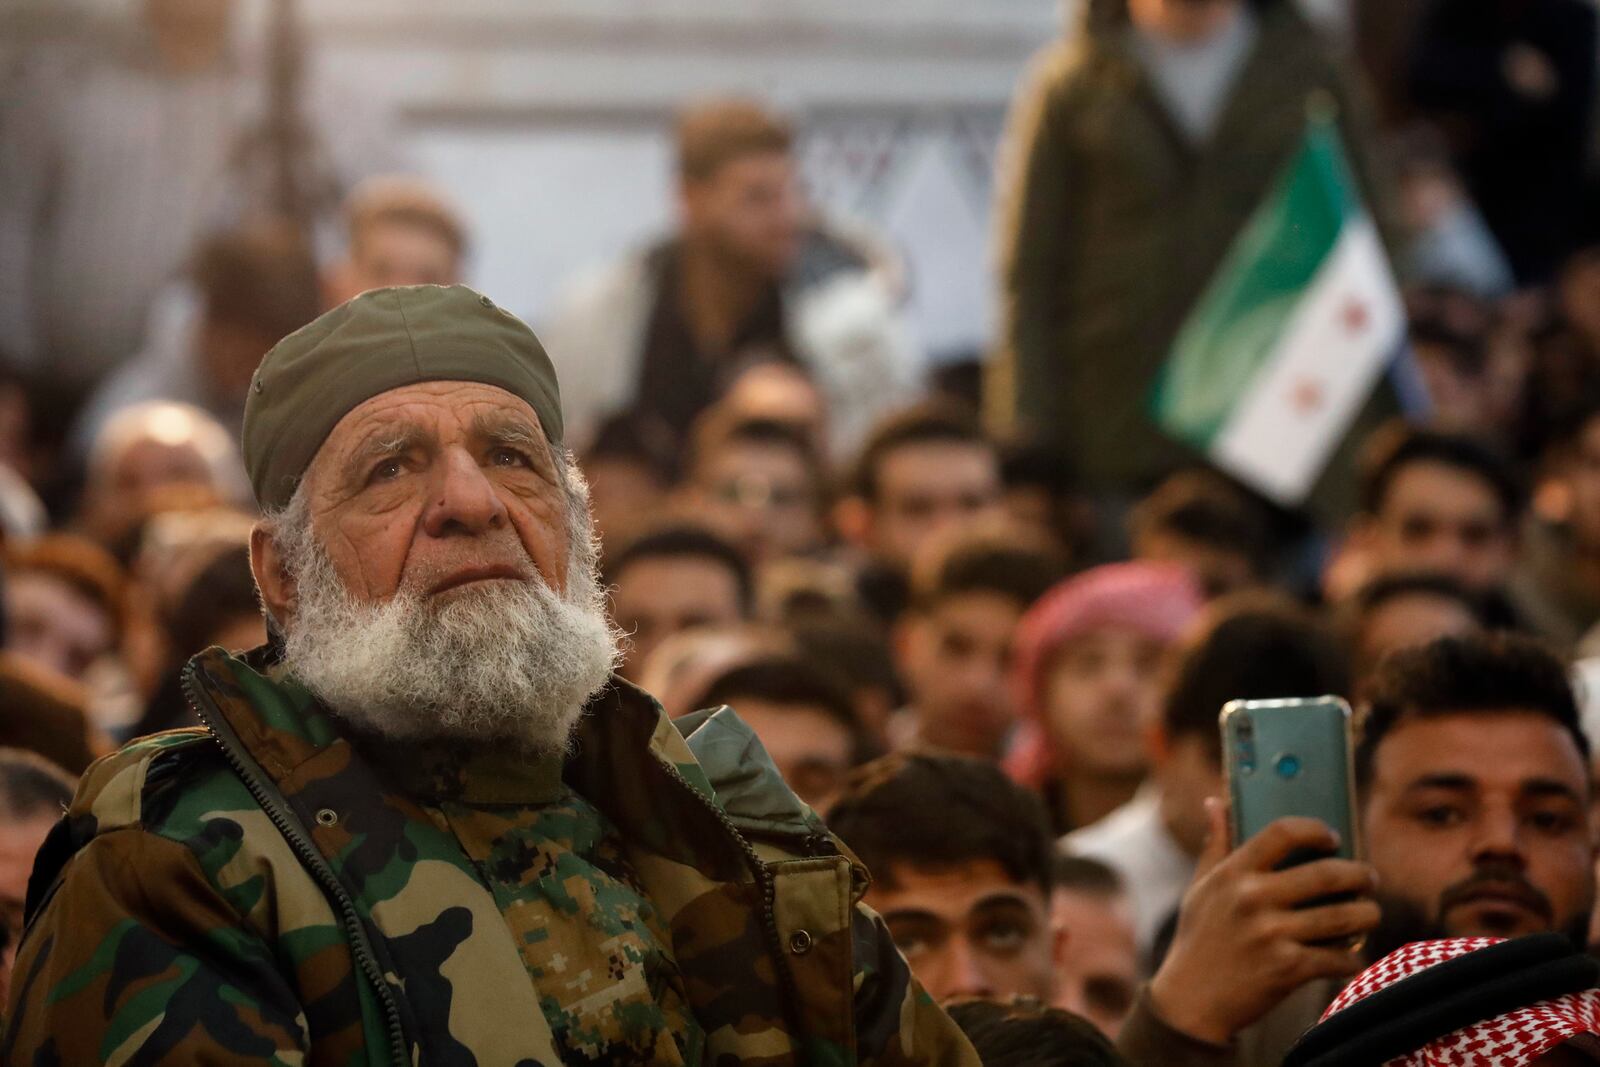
{"x":1462,"y":1002}
{"x":1159,"y":600}
{"x":382,"y":340}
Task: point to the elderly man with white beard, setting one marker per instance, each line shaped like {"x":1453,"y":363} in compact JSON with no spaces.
{"x":425,"y":824}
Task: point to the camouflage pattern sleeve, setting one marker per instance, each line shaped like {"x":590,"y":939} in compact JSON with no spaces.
{"x":897,"y":1022}
{"x":137,"y":959}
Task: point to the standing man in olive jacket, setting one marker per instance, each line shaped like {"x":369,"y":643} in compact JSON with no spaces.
{"x":1140,"y":148}
{"x":426,"y":825}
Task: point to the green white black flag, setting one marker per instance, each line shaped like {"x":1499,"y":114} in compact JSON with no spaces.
{"x":1288,"y":340}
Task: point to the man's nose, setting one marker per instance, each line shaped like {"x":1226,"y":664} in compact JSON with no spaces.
{"x":461,"y":498}
{"x":968,"y":978}
{"x":1446,"y":553}
{"x":1498,"y":837}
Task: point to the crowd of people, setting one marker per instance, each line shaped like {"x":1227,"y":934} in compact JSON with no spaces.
{"x":984,"y":631}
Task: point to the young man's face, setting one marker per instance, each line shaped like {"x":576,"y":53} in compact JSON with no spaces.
{"x":1478,"y":825}
{"x":1442,"y":519}
{"x":970,"y":930}
{"x":954,"y":658}
{"x":1461,"y":401}
{"x":762,"y":497}
{"x":1411,"y":621}
{"x":1098,"y":975}
{"x":749,"y":212}
{"x":623,"y":492}
{"x":658,"y":596}
{"x":927,"y":487}
{"x":392,"y":252}
{"x":51,"y":623}
{"x":1100,"y":697}
{"x":811,"y":748}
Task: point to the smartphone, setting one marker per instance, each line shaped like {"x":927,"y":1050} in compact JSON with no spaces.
{"x":1290,"y":757}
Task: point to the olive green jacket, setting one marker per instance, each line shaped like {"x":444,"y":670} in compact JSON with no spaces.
{"x":1114,"y":221}
{"x":254,"y":892}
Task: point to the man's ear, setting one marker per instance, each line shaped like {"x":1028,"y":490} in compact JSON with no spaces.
{"x":278,"y":593}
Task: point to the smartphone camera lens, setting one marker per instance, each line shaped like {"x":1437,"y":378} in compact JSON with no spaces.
{"x":1244,"y":738}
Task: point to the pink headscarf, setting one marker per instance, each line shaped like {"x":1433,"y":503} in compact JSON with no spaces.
{"x":1157,"y":599}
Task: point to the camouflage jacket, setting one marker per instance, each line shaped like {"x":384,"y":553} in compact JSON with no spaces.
{"x":253,"y":892}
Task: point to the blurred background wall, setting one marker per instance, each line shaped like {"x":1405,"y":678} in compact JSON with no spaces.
{"x":548,"y":119}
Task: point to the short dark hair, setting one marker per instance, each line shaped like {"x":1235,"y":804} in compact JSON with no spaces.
{"x":634,"y":437}
{"x":1476,"y":674}
{"x":784,"y":680}
{"x":852,"y":650}
{"x":1085,"y":874}
{"x":932,"y":422}
{"x":684,"y":542}
{"x":1203,"y":507}
{"x":1455,"y":320}
{"x":1032,"y":464}
{"x":1570,"y":416}
{"x":31,"y":785}
{"x":719,"y":429}
{"x":1000,"y":560}
{"x":1250,"y":646}
{"x":261,"y":276}
{"x":1026,"y":1033}
{"x":714,"y":133}
{"x":219,"y":592}
{"x":932,"y":812}
{"x":1387,"y":587}
{"x":1394,"y":447}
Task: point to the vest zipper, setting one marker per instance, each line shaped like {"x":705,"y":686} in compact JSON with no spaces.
{"x":769,"y":892}
{"x":289,"y":826}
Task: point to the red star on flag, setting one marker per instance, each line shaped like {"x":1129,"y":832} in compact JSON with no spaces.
{"x":1355,"y":316}
{"x":1307,"y":396}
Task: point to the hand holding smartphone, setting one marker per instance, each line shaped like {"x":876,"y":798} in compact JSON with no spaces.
{"x":1285,"y":901}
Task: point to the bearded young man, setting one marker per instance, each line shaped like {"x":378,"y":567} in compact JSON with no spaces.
{"x":426,"y":825}
{"x":1472,"y":773}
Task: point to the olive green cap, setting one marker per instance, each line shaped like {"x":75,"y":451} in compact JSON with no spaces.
{"x":382,"y":340}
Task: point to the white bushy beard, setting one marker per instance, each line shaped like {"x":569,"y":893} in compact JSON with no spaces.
{"x":509,"y":662}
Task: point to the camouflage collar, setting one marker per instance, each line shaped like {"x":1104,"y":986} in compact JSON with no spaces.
{"x":467,"y":774}
{"x":624,"y":731}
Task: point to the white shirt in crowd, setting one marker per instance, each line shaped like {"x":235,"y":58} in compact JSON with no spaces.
{"x":1134,"y":841}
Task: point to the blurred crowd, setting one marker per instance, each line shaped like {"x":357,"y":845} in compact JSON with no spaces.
{"x":983,"y":619}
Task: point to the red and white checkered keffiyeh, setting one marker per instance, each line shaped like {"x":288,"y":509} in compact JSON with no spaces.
{"x":1511,"y":1040}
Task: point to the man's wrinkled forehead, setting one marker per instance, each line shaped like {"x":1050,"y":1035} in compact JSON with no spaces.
{"x":428,"y":415}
